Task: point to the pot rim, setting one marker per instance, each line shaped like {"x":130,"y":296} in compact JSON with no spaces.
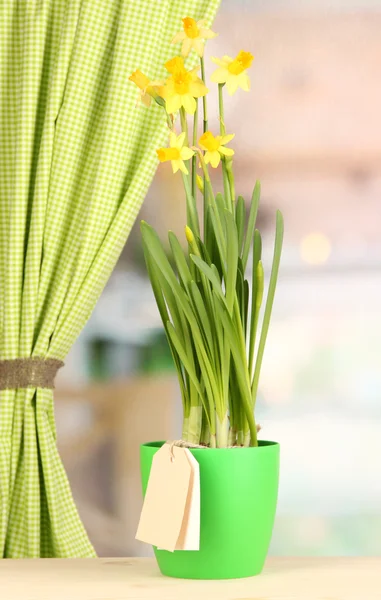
{"x":262,"y":445}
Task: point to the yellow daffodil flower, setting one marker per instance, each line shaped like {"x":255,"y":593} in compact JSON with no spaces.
{"x":232,"y":71}
{"x":176,"y":153}
{"x":175,"y":64}
{"x":215,"y":147}
{"x":192,"y":36}
{"x":148,"y":89}
{"x":182,"y":87}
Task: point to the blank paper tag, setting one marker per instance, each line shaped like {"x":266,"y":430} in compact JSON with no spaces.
{"x":170,"y":518}
{"x":189,"y":538}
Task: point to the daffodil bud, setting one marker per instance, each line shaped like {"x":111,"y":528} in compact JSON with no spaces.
{"x":200,"y":183}
{"x":189,"y":235}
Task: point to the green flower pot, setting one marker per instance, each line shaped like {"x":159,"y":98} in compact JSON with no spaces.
{"x":239,"y":488}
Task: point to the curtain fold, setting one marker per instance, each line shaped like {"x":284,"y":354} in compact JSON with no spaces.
{"x":76,"y":159}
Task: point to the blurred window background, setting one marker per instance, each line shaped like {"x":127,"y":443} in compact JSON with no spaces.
{"x":310,"y":130}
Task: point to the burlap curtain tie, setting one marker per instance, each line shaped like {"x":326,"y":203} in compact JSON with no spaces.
{"x":28,"y":373}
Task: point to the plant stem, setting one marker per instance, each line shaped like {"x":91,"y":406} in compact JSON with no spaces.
{"x":222,"y":431}
{"x":184,"y":125}
{"x":204,"y":101}
{"x":229,"y":170}
{"x":232,"y":439}
{"x":195,"y":424}
{"x":221,"y":109}
{"x":192,"y":216}
{"x":204,"y":129}
{"x":226,"y":179}
{"x":226,"y":162}
{"x":205,"y":431}
{"x":194,"y":157}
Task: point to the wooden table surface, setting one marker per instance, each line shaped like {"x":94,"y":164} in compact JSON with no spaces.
{"x":139,"y":578}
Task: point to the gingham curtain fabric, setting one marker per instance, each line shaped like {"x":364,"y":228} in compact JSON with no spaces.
{"x":76,"y":159}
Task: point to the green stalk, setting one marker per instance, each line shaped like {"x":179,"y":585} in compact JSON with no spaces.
{"x":256,"y":294}
{"x":256,"y":307}
{"x":226,"y":162}
{"x":204,"y":129}
{"x":204,"y":101}
{"x":194,"y":157}
{"x":192,"y":216}
{"x":212,"y":203}
{"x":195,"y":423}
{"x":221,"y":109}
{"x":205,"y":431}
{"x":222,"y":431}
{"x":184,"y":125}
{"x":230,"y":174}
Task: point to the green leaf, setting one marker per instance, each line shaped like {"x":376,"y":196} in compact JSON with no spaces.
{"x":220,"y":237}
{"x":199,"y":304}
{"x":251,"y":222}
{"x":204,"y":252}
{"x":160,"y":301}
{"x":240,"y":219}
{"x":221,"y":207}
{"x":210,"y":274}
{"x":240,"y":364}
{"x":257,"y":253}
{"x":232,"y":259}
{"x":154,"y":247}
{"x":269,"y":302}
{"x":245,"y":304}
{"x":179,"y":258}
{"x":183,"y":356}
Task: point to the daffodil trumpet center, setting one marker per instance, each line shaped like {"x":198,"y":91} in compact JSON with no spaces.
{"x":190,"y":27}
{"x":209,"y":142}
{"x":140,"y":80}
{"x":181,"y":81}
{"x":165,"y":154}
{"x":242,"y":62}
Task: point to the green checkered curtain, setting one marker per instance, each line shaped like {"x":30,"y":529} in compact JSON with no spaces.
{"x":76,"y":159}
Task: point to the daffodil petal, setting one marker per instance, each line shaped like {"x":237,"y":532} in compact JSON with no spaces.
{"x":172,"y":139}
{"x":214,"y":158}
{"x":198,"y":45}
{"x":173,"y":104}
{"x":175,"y":165}
{"x":187,"y":46}
{"x":232,"y":84}
{"x":189,"y":103}
{"x":207,"y":34}
{"x":219,"y":61}
{"x":180,"y":140}
{"x":146,"y":99}
{"x":182,"y":167}
{"x":186,"y":153}
{"x":244,"y":82}
{"x":168,"y":89}
{"x":225,"y":139}
{"x":197,"y":88}
{"x":220,"y":75}
{"x":179,"y":37}
{"x":226,"y":151}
